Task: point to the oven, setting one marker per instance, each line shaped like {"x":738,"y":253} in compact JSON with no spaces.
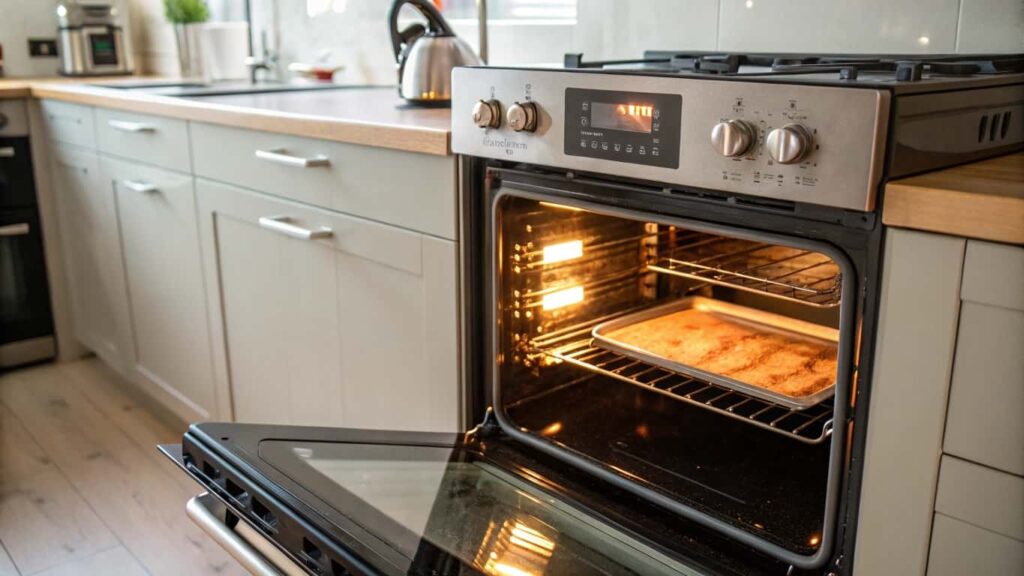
{"x":26,"y":320}
{"x":670,"y":289}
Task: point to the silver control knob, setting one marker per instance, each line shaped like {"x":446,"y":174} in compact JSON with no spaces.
{"x":487,"y":113}
{"x":733,"y":137}
{"x":522,"y":116}
{"x":789,"y":144}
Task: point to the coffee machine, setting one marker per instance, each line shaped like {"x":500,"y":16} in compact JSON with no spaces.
{"x":92,"y":38}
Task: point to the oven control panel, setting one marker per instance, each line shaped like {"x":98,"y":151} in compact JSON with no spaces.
{"x":821,"y":145}
{"x":635,"y":127}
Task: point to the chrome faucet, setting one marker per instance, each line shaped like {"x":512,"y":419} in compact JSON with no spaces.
{"x":265,"y":62}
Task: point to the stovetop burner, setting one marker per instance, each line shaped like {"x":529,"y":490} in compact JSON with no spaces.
{"x":881,"y":67}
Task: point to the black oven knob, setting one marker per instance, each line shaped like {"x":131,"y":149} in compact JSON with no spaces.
{"x":733,"y":137}
{"x":522,"y":116}
{"x":487,"y":114}
{"x":789,"y":144}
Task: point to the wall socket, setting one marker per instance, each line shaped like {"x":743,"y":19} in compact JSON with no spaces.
{"x":42,"y":48}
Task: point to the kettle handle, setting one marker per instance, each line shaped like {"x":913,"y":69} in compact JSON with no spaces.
{"x":437,"y":26}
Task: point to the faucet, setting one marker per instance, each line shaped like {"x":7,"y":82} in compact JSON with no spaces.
{"x":265,"y":62}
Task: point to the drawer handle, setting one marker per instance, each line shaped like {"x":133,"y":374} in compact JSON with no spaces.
{"x":12,"y":230}
{"x":130,"y":126}
{"x":7,"y":152}
{"x":142,"y":187}
{"x":283,"y":225}
{"x":279,"y":156}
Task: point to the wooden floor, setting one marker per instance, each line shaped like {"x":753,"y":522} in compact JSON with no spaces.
{"x":82,"y":488}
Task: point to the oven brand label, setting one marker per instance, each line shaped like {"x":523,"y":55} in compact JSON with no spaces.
{"x":509,"y":146}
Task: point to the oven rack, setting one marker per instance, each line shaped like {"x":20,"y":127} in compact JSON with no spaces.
{"x":788,"y":273}
{"x":811,"y":425}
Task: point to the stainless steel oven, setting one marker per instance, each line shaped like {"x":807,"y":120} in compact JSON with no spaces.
{"x":26,"y":322}
{"x":670,"y":289}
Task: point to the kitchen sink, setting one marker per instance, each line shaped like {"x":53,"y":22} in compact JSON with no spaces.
{"x":202,"y":89}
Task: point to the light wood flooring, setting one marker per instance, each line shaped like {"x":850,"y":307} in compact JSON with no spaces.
{"x":83,"y":490}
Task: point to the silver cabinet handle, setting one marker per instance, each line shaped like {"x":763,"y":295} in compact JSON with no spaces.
{"x":7,"y":152}
{"x":139,"y":186}
{"x":125,"y":126}
{"x":279,"y":156}
{"x":283,"y":225}
{"x":15,"y":230}
{"x":198,"y":509}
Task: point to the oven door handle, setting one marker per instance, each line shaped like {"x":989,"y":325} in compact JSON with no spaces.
{"x":7,"y":152}
{"x":241,"y":549}
{"x":12,"y":230}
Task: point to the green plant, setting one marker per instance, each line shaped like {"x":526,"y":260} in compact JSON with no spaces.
{"x":186,"y":11}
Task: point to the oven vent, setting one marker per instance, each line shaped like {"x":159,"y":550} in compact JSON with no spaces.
{"x":994,"y":127}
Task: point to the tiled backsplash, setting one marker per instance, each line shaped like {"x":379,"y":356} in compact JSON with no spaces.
{"x":358,"y":38}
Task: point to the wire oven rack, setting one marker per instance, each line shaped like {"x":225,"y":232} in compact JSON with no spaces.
{"x":811,"y":425}
{"x":788,"y":273}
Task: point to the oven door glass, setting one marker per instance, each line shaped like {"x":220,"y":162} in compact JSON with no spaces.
{"x":405,"y":503}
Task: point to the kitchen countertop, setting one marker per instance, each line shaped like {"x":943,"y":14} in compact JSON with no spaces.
{"x":983,"y":200}
{"x":368,"y":116}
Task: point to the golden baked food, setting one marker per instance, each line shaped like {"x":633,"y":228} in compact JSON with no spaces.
{"x":759,"y":356}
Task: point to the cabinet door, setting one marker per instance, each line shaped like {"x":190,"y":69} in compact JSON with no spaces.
{"x":328,"y":319}
{"x":160,"y":239}
{"x":93,"y":262}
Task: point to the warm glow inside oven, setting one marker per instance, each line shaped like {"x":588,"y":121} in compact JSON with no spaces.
{"x":714,"y":318}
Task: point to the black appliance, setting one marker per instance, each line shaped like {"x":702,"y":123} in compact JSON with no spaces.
{"x":26,"y":321}
{"x":741,"y":192}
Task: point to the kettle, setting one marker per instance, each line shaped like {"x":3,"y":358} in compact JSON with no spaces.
{"x":426,"y":56}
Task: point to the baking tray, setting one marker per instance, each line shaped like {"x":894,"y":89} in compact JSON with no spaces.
{"x":757,"y":319}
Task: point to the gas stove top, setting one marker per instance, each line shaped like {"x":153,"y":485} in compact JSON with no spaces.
{"x":906,"y":72}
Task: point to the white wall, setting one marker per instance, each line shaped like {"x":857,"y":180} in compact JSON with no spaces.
{"x":19,"y":21}
{"x":623,"y":29}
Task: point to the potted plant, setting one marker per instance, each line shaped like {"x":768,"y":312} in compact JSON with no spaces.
{"x":186,"y":16}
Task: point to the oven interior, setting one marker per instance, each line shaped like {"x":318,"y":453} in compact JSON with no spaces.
{"x":749,"y":462}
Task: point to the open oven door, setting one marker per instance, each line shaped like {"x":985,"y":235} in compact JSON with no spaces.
{"x":336,"y":502}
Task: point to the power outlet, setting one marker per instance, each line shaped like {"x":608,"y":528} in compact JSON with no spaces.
{"x":42,"y":48}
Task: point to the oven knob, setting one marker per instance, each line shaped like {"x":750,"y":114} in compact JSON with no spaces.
{"x":789,"y":144}
{"x":522,"y":116}
{"x":487,"y":113}
{"x":733,"y":137}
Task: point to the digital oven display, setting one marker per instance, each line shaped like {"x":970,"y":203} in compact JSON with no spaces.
{"x":104,"y":49}
{"x":631,"y":117}
{"x":633,"y":127}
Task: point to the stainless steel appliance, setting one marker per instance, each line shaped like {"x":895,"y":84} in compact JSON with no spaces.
{"x":427,"y":55}
{"x":728,"y":205}
{"x":26,"y":323}
{"x":92,"y":38}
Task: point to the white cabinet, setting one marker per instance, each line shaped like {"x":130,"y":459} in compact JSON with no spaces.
{"x":329,"y":319}
{"x":90,"y":239}
{"x":160,"y":241}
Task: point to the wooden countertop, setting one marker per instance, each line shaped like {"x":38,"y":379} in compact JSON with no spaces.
{"x":357,"y":115}
{"x":983,"y":200}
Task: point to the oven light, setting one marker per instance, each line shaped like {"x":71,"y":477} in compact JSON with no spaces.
{"x":561,"y":252}
{"x":551,"y":429}
{"x":563,"y":298}
{"x":814,"y":540}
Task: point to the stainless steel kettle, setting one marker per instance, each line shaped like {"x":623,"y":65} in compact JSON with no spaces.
{"x":426,"y":55}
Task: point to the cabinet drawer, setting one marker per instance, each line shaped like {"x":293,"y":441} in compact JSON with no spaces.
{"x":984,"y":421}
{"x":994,"y":274}
{"x":150,"y":139}
{"x":981,"y":496}
{"x":70,"y":123}
{"x":959,"y":549}
{"x":413,"y":191}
